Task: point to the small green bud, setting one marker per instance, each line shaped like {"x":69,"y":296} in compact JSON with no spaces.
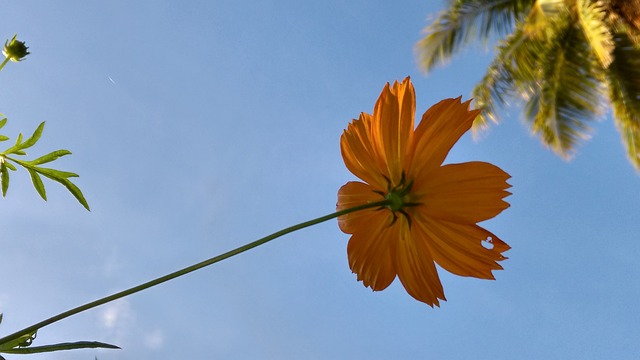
{"x":15,"y":50}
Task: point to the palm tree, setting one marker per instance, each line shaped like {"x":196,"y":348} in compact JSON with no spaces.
{"x":566,"y":59}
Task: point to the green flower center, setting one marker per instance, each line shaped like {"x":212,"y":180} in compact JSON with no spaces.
{"x":399,"y":198}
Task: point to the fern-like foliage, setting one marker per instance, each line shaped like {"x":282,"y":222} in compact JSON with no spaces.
{"x":11,"y":155}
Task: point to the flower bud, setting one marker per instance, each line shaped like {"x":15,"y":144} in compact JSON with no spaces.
{"x":15,"y":50}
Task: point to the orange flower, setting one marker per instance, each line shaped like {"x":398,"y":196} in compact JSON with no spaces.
{"x":432,"y":210}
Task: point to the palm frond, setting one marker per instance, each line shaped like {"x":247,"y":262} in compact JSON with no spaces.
{"x":570,"y":92}
{"x":512,"y":73}
{"x":623,"y":77}
{"x":618,"y":24}
{"x":542,"y":13}
{"x":591,"y":18}
{"x":628,"y":11}
{"x":484,"y":95}
{"x":466,"y":21}
{"x":631,"y":140}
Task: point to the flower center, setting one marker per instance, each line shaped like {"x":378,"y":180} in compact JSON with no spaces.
{"x":399,"y":198}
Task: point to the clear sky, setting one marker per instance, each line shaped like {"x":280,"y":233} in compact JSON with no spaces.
{"x":199,"y":126}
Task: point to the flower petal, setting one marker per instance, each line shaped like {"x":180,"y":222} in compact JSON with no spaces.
{"x":459,"y":248}
{"x":463,"y":193}
{"x":440,"y":128}
{"x":416,"y":270}
{"x":359,"y":152}
{"x":393,"y":123}
{"x":353,"y":194}
{"x":371,"y":251}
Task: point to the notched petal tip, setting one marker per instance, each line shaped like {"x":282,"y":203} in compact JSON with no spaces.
{"x":499,"y":247}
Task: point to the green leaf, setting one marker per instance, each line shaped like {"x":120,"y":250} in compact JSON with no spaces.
{"x":59,"y":347}
{"x":50,"y":157}
{"x":623,"y":77}
{"x":76,"y":192}
{"x":32,"y":165}
{"x":3,"y":121}
{"x":569,"y":92}
{"x":19,"y":145}
{"x":62,"y":178}
{"x":52,"y":174}
{"x":37,"y":183}
{"x":465,"y":22}
{"x":591,"y":17}
{"x":10,"y":166}
{"x":19,"y":139}
{"x":34,"y":138}
{"x":631,"y":138}
{"x":512,"y":73}
{"x":4,"y":178}
{"x":542,"y":16}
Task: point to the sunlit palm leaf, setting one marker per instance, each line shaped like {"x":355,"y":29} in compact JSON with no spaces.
{"x":560,"y":58}
{"x":618,"y":25}
{"x":513,"y":73}
{"x":484,"y":96}
{"x":570,"y":93}
{"x":542,"y":13}
{"x":631,"y":139}
{"x":591,"y":18}
{"x":624,"y":93}
{"x":466,"y":21}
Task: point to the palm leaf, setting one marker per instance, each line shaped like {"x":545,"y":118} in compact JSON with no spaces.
{"x":512,"y":73}
{"x":623,"y":77}
{"x":466,"y":21}
{"x":484,"y":95}
{"x":631,"y":139}
{"x":570,"y":92}
{"x":591,"y":18}
{"x":619,"y":25}
{"x":542,"y":13}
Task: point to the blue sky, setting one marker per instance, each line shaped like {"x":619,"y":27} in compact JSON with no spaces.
{"x":197,"y":127}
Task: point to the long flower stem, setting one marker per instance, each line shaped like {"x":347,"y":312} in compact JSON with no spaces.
{"x":31,"y":329}
{"x":6,"y":60}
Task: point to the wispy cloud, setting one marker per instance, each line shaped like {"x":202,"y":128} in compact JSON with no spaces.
{"x":154,"y":339}
{"x":117,"y":319}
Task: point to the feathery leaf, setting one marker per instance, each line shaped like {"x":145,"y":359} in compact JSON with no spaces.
{"x":623,"y":77}
{"x":591,"y":17}
{"x":464,"y":22}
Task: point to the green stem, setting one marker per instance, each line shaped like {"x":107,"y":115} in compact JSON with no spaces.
{"x":6,"y":60}
{"x":31,"y":329}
